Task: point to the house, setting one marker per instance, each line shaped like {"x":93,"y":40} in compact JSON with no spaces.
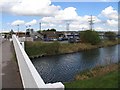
{"x":49,"y":35}
{"x":20,"y":34}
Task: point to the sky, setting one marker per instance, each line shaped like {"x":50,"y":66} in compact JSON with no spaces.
{"x":57,"y":14}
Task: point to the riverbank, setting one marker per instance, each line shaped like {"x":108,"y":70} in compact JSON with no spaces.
{"x":39,"y":49}
{"x":99,"y":77}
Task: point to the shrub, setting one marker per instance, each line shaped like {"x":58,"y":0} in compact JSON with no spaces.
{"x":90,"y":36}
{"x":39,"y":48}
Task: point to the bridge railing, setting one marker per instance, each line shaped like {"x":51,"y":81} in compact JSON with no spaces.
{"x":29,"y":75}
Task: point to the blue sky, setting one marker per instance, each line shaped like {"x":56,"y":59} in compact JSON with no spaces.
{"x":88,"y":8}
{"x":80,"y":11}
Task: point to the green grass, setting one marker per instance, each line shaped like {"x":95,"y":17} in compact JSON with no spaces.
{"x":110,"y":80}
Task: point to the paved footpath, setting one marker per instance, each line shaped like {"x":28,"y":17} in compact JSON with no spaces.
{"x":10,"y":73}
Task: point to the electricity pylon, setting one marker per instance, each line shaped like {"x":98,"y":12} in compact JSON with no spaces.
{"x":91,"y":22}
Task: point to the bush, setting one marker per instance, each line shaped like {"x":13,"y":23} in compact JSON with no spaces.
{"x":90,"y":36}
{"x":110,"y":35}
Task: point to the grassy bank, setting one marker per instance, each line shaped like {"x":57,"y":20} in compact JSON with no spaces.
{"x":35,"y":49}
{"x":100,"y":77}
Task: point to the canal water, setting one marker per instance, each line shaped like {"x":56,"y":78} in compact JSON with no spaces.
{"x":63,"y":68}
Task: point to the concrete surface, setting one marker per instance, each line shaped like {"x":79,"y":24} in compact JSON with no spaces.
{"x":10,"y":73}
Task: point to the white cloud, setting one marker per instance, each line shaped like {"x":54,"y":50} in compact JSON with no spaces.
{"x":54,"y":16}
{"x":50,"y":20}
{"x":76,"y":22}
{"x":77,"y":26}
{"x":47,"y":19}
{"x":67,"y":14}
{"x":110,"y":13}
{"x":86,"y":18}
{"x":112,"y":23}
{"x":99,"y":29}
{"x":30,"y":7}
{"x":17,"y":22}
{"x":33,"y":22}
{"x":61,"y":18}
{"x":52,"y":25}
{"x":105,"y":29}
{"x":43,"y":25}
{"x":60,"y":26}
{"x":82,"y":22}
{"x":48,"y":25}
{"x":7,"y":4}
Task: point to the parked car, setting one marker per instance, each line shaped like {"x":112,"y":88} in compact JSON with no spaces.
{"x":71,"y":40}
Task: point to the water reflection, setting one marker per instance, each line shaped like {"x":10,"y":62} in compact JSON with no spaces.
{"x":64,"y":67}
{"x":90,"y":58}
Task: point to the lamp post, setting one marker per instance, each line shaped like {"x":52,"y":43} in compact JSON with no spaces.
{"x":40,"y":26}
{"x":18,"y":30}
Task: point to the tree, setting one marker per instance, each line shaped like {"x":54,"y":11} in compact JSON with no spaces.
{"x":39,"y":31}
{"x":52,"y":29}
{"x":110,"y":35}
{"x":90,"y":36}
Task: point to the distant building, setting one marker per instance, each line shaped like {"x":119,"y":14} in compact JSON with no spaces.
{"x":21,"y":34}
{"x":101,"y":35}
{"x":49,"y":35}
{"x":29,"y":32}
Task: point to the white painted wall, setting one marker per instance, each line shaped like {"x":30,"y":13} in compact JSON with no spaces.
{"x":30,"y":76}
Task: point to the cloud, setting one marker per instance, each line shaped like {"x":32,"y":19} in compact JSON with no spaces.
{"x":67,"y":14}
{"x":110,"y":13}
{"x":99,"y":29}
{"x":78,"y":27}
{"x":112,"y":23}
{"x":17,"y":22}
{"x":30,"y":7}
{"x":52,"y":25}
{"x":33,"y":22}
{"x":7,"y":4}
{"x":76,"y":22}
{"x":105,"y":29}
{"x":86,"y":18}
{"x":81,"y":23}
{"x":55,"y":16}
